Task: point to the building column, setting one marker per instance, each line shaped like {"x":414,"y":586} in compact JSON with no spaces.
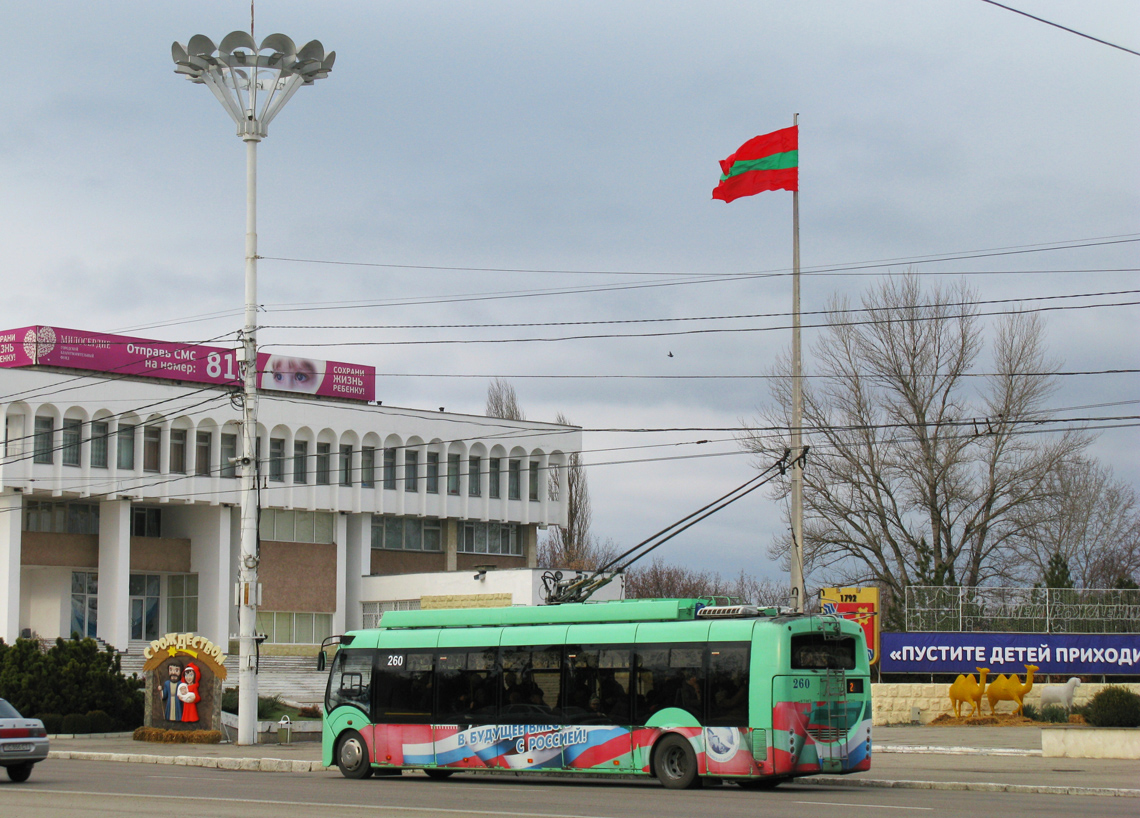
{"x":504,"y":489}
{"x":341,"y":540}
{"x":114,"y":626}
{"x":524,"y":488}
{"x":421,"y":480}
{"x":11,"y":519}
{"x":564,"y":492}
{"x":529,"y":533}
{"x":358,"y":563}
{"x":17,"y":450}
{"x":163,"y":491}
{"x":485,"y":487}
{"x":544,"y":489}
{"x":112,"y":456}
{"x":451,"y":543}
{"x":209,"y":534}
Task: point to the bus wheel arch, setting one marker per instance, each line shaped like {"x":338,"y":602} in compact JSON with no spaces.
{"x":674,"y":763}
{"x":352,"y":756}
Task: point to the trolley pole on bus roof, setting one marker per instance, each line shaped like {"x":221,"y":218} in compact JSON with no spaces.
{"x":253,"y":83}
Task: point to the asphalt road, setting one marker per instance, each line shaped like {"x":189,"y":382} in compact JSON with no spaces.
{"x":89,"y":788}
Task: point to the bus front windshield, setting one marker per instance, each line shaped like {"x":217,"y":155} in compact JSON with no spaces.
{"x":350,"y":680}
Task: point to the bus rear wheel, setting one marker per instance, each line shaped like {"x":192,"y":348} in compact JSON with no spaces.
{"x":438,"y":774}
{"x":675,"y":763}
{"x":352,"y":756}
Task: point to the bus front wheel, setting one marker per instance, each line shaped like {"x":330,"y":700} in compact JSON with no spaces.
{"x":352,"y":756}
{"x":437,"y":774}
{"x":675,"y":763}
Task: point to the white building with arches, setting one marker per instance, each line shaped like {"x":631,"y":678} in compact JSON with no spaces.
{"x":119,"y":505}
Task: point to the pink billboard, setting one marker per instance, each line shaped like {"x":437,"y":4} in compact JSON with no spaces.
{"x":121,"y":354}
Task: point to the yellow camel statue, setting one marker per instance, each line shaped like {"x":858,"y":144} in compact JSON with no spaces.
{"x":1008,"y":688}
{"x":967,"y":690}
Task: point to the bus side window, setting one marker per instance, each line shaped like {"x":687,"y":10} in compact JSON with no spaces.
{"x":468,"y":681}
{"x":597,"y":685}
{"x":669,"y":677}
{"x":532,"y":685}
{"x":350,"y":681}
{"x":403,"y":687}
{"x":728,"y":686}
{"x":581,"y":685}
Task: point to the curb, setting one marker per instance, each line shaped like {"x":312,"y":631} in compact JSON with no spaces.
{"x":967,"y":786}
{"x":953,"y":751}
{"x":263,"y":765}
{"x":284,"y":765}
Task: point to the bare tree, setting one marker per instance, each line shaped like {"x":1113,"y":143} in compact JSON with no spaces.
{"x":572,"y":546}
{"x":502,"y":402}
{"x":918,"y":468}
{"x":662,"y":580}
{"x":1090,"y":519}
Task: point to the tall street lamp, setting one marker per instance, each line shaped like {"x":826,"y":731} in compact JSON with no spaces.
{"x":253,"y":83}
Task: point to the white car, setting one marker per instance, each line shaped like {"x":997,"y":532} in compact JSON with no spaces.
{"x":23,"y":742}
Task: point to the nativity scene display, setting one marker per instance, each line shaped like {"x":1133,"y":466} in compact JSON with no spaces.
{"x":180,"y":693}
{"x":184,"y":675}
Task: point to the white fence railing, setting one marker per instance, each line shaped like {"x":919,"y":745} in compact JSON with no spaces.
{"x":1022,"y":610}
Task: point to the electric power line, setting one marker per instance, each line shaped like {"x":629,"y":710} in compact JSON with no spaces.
{"x":1063,"y":28}
{"x":710,"y":331}
{"x":740,"y":316}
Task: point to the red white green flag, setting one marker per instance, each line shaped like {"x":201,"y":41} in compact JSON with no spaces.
{"x":768,"y":162}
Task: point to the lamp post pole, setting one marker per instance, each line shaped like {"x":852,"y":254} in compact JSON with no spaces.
{"x":248,"y":596}
{"x":236,"y":70}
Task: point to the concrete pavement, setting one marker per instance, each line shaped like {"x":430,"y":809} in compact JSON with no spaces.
{"x":945,"y":758}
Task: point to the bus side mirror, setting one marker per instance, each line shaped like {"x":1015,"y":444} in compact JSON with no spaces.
{"x":321,"y":661}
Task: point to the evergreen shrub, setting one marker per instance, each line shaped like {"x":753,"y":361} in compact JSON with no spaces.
{"x":1054,"y":714}
{"x":100,"y":722}
{"x":72,"y":677}
{"x":76,"y":723}
{"x":1114,"y":707}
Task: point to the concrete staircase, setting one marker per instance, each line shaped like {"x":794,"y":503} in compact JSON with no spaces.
{"x":294,"y":678}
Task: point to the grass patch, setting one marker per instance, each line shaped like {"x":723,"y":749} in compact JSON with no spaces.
{"x":270,"y":708}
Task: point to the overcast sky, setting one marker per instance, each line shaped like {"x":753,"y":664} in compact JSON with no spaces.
{"x":581,"y":137}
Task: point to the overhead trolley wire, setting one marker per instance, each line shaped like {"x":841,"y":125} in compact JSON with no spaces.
{"x":1019,"y":249}
{"x":739,"y":316}
{"x":1063,"y":28}
{"x":707,"y":331}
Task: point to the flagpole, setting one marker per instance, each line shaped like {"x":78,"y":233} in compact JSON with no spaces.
{"x":797,"y":560}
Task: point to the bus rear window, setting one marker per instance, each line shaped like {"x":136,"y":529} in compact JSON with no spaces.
{"x":811,"y":651}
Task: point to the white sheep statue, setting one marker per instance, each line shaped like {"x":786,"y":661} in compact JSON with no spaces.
{"x":1060,"y":694}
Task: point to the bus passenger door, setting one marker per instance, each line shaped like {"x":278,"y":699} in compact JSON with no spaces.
{"x":596,"y":696}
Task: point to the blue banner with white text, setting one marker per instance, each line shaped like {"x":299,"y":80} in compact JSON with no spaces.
{"x":1056,"y":653}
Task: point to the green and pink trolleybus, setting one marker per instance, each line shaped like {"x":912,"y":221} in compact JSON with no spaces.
{"x":680,"y":689}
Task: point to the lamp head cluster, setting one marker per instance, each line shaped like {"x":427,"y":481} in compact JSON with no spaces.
{"x":253,"y":82}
